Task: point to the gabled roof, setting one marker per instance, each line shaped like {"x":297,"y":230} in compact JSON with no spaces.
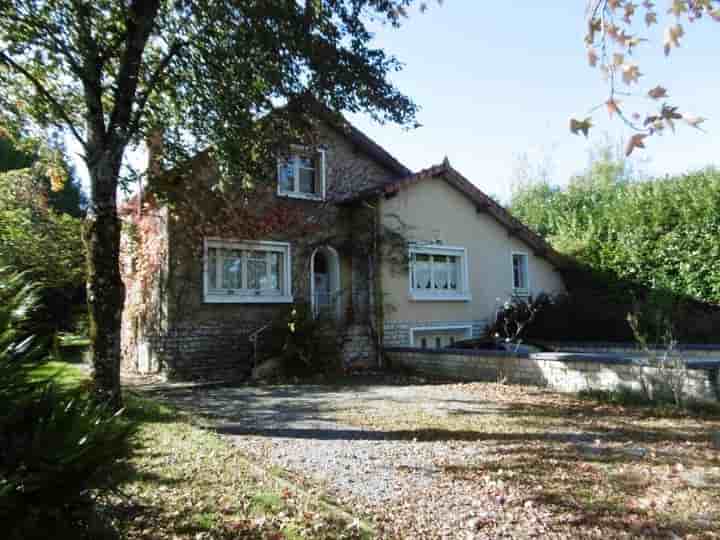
{"x":482,"y":202}
{"x":338,"y":122}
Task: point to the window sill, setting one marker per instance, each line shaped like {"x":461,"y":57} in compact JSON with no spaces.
{"x":304,"y":196}
{"x":419,"y":297}
{"x":521,"y":292}
{"x":238,"y":299}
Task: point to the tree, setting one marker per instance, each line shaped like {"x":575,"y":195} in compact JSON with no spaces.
{"x":57,"y":180}
{"x":612,"y":38}
{"x":110,"y":73}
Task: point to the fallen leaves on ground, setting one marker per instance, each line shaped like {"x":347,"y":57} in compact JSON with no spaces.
{"x":186,"y":482}
{"x":545,"y":465}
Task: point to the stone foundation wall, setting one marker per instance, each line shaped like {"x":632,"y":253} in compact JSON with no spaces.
{"x":209,"y":352}
{"x":562,"y":372}
{"x":358,"y":350}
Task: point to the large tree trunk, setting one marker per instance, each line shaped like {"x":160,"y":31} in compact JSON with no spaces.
{"x":105,"y":289}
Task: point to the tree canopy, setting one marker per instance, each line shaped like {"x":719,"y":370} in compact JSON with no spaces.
{"x":661,"y":233}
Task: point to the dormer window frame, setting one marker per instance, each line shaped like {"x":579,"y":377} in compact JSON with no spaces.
{"x":294,"y":155}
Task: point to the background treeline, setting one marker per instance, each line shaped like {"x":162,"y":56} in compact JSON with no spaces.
{"x":634,"y":238}
{"x":41,"y":206}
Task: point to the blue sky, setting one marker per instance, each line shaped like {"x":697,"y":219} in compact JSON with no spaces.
{"x":498,"y":79}
{"x":495,"y":80}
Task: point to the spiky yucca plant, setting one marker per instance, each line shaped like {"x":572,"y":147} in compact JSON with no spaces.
{"x":58,"y":448}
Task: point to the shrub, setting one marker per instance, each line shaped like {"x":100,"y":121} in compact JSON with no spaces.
{"x":306,"y":345}
{"x":59,"y":450}
{"x":652,"y":327}
{"x":514,"y":316}
{"x":661,"y":233}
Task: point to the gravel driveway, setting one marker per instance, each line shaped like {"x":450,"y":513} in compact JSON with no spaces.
{"x":373,"y":471}
{"x":470,"y":460}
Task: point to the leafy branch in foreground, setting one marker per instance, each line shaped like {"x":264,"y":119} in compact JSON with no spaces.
{"x":615,"y":28}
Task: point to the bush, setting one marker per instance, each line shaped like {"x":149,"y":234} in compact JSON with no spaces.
{"x":600,"y":315}
{"x":630,"y":236}
{"x":514,"y":316}
{"x":661,"y":233}
{"x":42,"y":237}
{"x":59,"y":450}
{"x":306,"y":345}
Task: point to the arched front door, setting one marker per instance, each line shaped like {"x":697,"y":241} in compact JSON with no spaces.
{"x":325,"y":282}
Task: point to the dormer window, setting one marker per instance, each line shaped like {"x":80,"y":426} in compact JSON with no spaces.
{"x":302,"y":175}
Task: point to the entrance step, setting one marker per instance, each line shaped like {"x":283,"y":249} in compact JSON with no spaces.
{"x":358,"y":351}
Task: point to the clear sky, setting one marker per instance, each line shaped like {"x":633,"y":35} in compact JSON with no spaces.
{"x":497,"y":79}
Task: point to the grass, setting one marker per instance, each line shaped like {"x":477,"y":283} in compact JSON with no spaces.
{"x":187,"y":482}
{"x":65,"y":376}
{"x":599,"y":468}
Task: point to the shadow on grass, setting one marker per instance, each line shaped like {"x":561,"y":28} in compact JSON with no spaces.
{"x":144,"y":410}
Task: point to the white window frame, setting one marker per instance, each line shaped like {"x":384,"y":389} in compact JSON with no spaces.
{"x":230,"y":296}
{"x":440,"y":328}
{"x":461,"y":295}
{"x":295,"y":152}
{"x":520,"y":291}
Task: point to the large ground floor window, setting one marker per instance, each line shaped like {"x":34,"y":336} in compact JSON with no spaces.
{"x":247,"y":272}
{"x":438,"y":273}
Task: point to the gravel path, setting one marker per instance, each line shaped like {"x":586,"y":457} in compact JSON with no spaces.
{"x":387,"y":474}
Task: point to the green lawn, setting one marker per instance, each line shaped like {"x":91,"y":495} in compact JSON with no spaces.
{"x":187,"y":482}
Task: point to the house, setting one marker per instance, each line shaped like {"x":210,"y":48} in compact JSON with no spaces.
{"x":396,"y":258}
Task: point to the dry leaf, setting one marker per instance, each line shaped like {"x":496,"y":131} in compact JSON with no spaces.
{"x":678,"y":7}
{"x":630,"y":73}
{"x":672,"y":37}
{"x":580,"y":126}
{"x":694,"y":121}
{"x":612,"y":106}
{"x":629,"y":12}
{"x":636,"y":141}
{"x":592,"y":57}
{"x":658,"y":92}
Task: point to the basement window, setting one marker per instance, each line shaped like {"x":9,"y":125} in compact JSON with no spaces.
{"x":439,"y":337}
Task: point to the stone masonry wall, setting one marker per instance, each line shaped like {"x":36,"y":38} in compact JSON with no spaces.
{"x":562,"y":372}
{"x":210,"y":352}
{"x":195,"y":339}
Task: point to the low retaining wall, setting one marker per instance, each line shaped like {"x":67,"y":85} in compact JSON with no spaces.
{"x":688,"y":350}
{"x":562,"y":372}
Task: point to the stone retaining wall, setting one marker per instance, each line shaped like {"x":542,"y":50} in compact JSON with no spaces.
{"x":688,"y":349}
{"x":562,"y":372}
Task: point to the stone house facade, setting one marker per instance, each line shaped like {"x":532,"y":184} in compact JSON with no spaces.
{"x":343,"y":230}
